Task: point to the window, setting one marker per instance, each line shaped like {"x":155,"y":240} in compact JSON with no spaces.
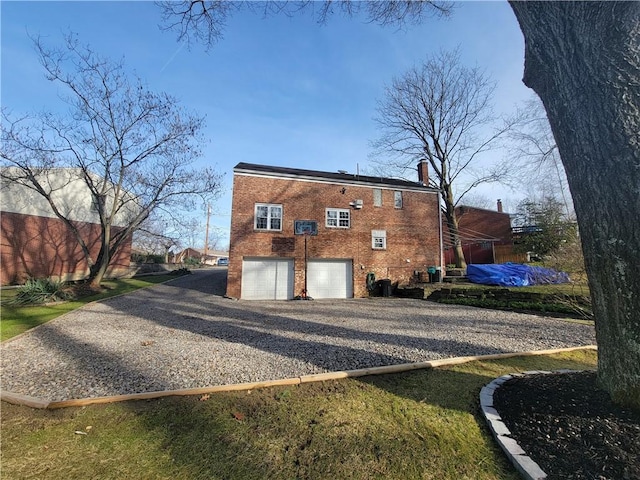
{"x":379,"y":239}
{"x":397,"y":199}
{"x":337,"y":218}
{"x":377,"y":197}
{"x":268,"y":217}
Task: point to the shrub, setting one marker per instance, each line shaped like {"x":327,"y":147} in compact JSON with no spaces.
{"x":192,"y":261}
{"x":41,"y":290}
{"x":569,"y":258}
{"x":180,"y":271}
{"x":147,"y":258}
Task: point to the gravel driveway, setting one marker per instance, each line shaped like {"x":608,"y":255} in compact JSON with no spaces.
{"x":184,"y":334}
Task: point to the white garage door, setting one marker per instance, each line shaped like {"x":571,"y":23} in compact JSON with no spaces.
{"x":330,"y":278}
{"x":267,"y":279}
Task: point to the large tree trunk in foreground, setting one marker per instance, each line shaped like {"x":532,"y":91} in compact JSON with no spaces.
{"x":583,"y":60}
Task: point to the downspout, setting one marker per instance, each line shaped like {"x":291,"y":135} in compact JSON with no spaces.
{"x":441,"y":241}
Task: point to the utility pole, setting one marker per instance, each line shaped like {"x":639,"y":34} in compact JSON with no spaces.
{"x":206,"y":235}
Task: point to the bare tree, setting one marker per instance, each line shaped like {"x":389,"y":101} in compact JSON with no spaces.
{"x":130,"y":148}
{"x":478,"y":200}
{"x":157,"y":235}
{"x":540,"y":169}
{"x":204,"y":21}
{"x":441,"y":111}
{"x":583,"y":59}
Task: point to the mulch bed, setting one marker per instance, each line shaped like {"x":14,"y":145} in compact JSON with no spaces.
{"x":570,"y":427}
{"x":82,"y":289}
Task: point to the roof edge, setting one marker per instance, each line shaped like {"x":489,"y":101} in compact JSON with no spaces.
{"x":338,"y":177}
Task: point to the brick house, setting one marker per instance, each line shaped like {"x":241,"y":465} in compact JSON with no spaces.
{"x":34,"y":243}
{"x":356,"y":225}
{"x":485,"y":235}
{"x":211,"y":257}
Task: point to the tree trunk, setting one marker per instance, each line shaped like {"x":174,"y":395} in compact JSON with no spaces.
{"x":458,"y":255}
{"x":452,"y":224}
{"x":583,"y":60}
{"x":454,"y":235}
{"x":99,"y":268}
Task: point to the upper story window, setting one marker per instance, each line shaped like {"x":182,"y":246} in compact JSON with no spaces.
{"x":377,"y":197}
{"x":338,"y":218}
{"x":268,"y":217}
{"x":379,"y":239}
{"x":397,"y":199}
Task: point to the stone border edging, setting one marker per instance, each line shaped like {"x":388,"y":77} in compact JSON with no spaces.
{"x":18,"y":399}
{"x":528,"y":468}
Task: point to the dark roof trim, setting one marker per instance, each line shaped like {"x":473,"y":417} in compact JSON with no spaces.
{"x":483,"y":209}
{"x":346,"y":178}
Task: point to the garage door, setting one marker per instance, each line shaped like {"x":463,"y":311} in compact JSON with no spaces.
{"x":267,"y":279}
{"x":330,"y":278}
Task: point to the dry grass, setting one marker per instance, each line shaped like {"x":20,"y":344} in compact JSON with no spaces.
{"x":422,"y":424}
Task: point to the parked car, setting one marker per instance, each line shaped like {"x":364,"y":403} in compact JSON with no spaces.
{"x":223,"y":262}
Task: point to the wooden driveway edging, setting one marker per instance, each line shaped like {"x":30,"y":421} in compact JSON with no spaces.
{"x":18,"y":399}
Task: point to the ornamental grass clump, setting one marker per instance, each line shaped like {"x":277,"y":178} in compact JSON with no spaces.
{"x":39,"y":291}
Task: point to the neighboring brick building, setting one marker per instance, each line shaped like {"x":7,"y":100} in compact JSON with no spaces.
{"x":211,"y":257}
{"x":34,"y":243}
{"x":364,"y":224}
{"x":485,"y":235}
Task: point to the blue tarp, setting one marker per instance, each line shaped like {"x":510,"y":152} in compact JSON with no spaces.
{"x":514,"y":275}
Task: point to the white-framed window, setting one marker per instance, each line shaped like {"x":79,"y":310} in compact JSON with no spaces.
{"x":379,"y":239}
{"x":268,"y":217}
{"x":397,"y":199}
{"x":377,"y":197}
{"x":338,"y":218}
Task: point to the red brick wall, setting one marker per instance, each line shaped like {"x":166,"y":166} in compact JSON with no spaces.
{"x":412,"y":232}
{"x":479,"y":223}
{"x":41,"y":247}
{"x":490,"y":223}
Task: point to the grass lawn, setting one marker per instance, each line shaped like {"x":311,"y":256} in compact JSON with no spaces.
{"x":577,"y":288}
{"x":422,"y":425}
{"x":569,"y":299}
{"x":18,"y":319}
{"x":562,"y":288}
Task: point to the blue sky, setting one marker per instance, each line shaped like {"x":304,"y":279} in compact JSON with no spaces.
{"x":278,"y":91}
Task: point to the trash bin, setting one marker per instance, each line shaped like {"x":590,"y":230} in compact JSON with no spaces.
{"x":385,"y":287}
{"x":372,"y":285}
{"x":437,"y":276}
{"x":432,"y":272}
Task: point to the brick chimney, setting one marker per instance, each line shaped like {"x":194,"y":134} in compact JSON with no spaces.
{"x":500,"y":205}
{"x":423,"y":171}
